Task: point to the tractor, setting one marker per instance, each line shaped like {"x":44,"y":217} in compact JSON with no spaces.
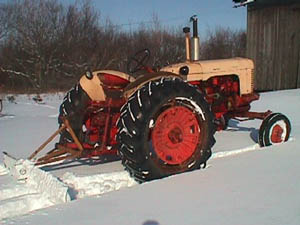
{"x":161,"y":122}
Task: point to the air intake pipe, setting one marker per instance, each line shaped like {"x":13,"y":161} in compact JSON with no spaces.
{"x":186,"y":30}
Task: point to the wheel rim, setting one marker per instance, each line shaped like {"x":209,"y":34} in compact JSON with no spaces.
{"x":278,"y":132}
{"x":176,"y":134}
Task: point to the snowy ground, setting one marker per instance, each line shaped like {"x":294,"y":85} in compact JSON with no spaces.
{"x":243,"y":184}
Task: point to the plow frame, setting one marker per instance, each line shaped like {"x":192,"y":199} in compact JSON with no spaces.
{"x":61,"y":152}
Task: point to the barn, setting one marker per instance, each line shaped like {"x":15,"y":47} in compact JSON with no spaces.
{"x":273,"y":42}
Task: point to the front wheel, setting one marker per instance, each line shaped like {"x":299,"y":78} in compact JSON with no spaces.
{"x":275,"y":129}
{"x":165,"y":128}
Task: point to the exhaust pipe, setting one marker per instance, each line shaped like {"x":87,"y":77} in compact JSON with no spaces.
{"x":195,"y":39}
{"x":192,"y":49}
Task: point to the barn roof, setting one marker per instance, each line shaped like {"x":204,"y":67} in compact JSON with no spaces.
{"x":265,"y":2}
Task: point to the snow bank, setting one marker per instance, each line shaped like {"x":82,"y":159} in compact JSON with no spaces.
{"x":36,"y":189}
{"x":97,"y":184}
{"x":37,"y":179}
{"x":40,"y":189}
{"x":43,"y":182}
{"x":3,"y":170}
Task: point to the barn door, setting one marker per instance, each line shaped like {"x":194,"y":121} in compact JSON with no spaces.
{"x":298,"y":66}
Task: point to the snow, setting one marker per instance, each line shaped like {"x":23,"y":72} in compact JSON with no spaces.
{"x":97,"y":184}
{"x":242,"y":184}
{"x":3,"y":170}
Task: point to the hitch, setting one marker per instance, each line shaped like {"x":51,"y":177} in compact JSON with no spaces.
{"x":59,"y":152}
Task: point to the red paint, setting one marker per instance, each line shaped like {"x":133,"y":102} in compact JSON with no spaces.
{"x":223,"y":94}
{"x":276,"y":135}
{"x":113,"y":80}
{"x":100,"y":128}
{"x":176,"y":134}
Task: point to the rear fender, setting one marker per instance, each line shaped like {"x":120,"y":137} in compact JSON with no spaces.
{"x":140,"y":81}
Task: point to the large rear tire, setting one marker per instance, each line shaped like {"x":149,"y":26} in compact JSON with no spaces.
{"x":73,"y":108}
{"x":165,"y":128}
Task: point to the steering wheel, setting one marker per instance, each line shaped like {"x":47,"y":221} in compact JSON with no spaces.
{"x":138,"y":61}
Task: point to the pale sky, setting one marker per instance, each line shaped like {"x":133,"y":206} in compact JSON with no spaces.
{"x":211,"y":13}
{"x":171,"y":13}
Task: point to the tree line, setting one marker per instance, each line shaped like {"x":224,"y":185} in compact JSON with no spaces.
{"x":46,"y":45}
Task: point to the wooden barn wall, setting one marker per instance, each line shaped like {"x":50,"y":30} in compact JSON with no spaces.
{"x":273,"y":42}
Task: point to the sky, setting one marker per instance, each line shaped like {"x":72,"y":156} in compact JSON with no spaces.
{"x":171,"y":13}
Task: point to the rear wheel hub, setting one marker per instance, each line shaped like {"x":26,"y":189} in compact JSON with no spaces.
{"x":175,"y":136}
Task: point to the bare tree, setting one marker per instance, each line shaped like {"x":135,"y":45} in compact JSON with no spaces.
{"x":34,"y":27}
{"x":46,"y":39}
{"x":4,"y":12}
{"x":224,"y":43}
{"x":45,"y":44}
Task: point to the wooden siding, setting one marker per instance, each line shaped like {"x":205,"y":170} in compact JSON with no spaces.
{"x":273,"y":42}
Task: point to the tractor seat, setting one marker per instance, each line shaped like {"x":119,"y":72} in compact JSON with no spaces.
{"x":114,"y":82}
{"x":112,"y":79}
{"x":105,"y":84}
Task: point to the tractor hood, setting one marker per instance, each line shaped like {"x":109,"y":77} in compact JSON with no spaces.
{"x":204,"y":70}
{"x":208,"y":68}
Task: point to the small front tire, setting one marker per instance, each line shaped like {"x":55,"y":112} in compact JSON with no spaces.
{"x":275,"y":129}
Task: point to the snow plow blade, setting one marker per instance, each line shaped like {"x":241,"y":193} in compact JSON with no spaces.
{"x":14,"y":166}
{"x":26,"y":172}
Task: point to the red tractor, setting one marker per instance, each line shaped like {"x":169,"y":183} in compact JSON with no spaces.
{"x":162,"y":122}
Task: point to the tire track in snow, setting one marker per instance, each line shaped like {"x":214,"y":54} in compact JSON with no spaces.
{"x":6,"y":116}
{"x":250,"y":148}
{"x":22,"y":205}
{"x":223,"y":154}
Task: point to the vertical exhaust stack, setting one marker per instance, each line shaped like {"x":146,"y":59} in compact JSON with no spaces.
{"x":195,"y":39}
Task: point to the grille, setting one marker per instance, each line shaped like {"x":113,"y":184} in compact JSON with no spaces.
{"x":252,"y":80}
